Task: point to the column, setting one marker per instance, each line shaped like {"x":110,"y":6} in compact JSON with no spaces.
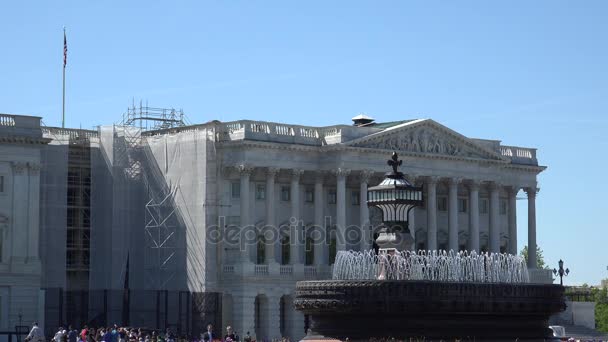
{"x":513,"y":220}
{"x":320,"y":251}
{"x":364,"y":224}
{"x":295,"y":243}
{"x":413,"y":179}
{"x":494,"y":218}
{"x":453,"y":214}
{"x":474,"y":216}
{"x":247,"y":240}
{"x":34,"y":212}
{"x":531,"y":226}
{"x":243,"y":314}
{"x":341,"y":175}
{"x":274,"y":318}
{"x":431,"y":213}
{"x":273,"y":236}
{"x":19,"y":220}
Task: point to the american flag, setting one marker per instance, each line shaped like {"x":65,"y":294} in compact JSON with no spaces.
{"x":65,"y":49}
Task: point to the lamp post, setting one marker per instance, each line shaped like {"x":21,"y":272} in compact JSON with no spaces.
{"x":561,"y":272}
{"x":395,"y":197}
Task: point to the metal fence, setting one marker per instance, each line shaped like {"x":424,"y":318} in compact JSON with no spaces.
{"x":186,"y":313}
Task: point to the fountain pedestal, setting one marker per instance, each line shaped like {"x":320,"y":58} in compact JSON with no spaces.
{"x":365,"y":309}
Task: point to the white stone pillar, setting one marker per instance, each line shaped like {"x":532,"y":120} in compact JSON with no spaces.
{"x":247,"y":240}
{"x":431,"y":213}
{"x":513,"y":220}
{"x":244,"y":314}
{"x":34,"y":213}
{"x":531,"y":226}
{"x":453,"y":214}
{"x":296,"y":245}
{"x":364,"y":224}
{"x":321,"y":242}
{"x":474,"y":216}
{"x":19,"y":220}
{"x":274,"y":318}
{"x":494,"y":218}
{"x":341,"y":175}
{"x":272,"y":231}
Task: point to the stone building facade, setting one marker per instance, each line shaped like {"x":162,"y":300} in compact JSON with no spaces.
{"x":216,"y":222}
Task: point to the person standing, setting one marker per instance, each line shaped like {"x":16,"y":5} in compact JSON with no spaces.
{"x":35,"y":334}
{"x":208,"y":335}
{"x":72,"y":334}
{"x":230,"y":336}
{"x":59,"y":335}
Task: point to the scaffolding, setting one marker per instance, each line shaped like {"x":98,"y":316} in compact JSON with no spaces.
{"x":149,"y":118}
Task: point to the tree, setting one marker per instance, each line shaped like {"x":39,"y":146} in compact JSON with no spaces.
{"x":540,"y":261}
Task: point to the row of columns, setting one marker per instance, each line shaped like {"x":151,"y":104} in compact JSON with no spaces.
{"x":430,"y":183}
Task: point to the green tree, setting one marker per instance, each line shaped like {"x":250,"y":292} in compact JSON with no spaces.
{"x":540,"y":260}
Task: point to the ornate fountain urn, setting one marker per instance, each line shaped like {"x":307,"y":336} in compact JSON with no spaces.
{"x":395,"y":196}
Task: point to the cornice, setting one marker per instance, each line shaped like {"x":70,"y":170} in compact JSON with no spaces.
{"x":24,"y":140}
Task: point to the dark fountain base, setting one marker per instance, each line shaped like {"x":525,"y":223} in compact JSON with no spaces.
{"x":367,"y":309}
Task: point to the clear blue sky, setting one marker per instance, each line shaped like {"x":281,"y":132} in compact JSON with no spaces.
{"x":531,"y":73}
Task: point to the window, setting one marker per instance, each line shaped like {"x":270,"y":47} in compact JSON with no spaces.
{"x":285,"y":193}
{"x":310,"y":251}
{"x":442,"y":203}
{"x":236,"y":189}
{"x":331,"y":196}
{"x":260,"y":191}
{"x":310,"y":195}
{"x":462,"y":205}
{"x":483,"y":206}
{"x":354,"y":197}
{"x":503,"y":206}
{"x":1,"y":184}
{"x":332,"y":250}
{"x":285,"y":250}
{"x":261,"y":250}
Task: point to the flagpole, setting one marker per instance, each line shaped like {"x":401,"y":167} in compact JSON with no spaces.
{"x":63,"y":109}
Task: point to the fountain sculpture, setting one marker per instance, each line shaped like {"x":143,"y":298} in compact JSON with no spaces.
{"x":433,"y":295}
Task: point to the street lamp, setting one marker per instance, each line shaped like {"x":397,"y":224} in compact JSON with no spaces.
{"x":561,"y":272}
{"x":395,"y":197}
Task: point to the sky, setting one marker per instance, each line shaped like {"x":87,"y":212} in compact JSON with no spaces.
{"x":529,"y":73}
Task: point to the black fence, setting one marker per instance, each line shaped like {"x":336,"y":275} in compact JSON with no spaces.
{"x":186,"y":313}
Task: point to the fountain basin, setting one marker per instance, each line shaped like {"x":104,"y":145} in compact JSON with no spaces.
{"x":365,"y":309}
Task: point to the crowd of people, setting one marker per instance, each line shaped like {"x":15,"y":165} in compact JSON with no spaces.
{"x":127,"y":334}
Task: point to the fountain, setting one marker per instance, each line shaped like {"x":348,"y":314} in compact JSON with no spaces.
{"x":434,"y":295}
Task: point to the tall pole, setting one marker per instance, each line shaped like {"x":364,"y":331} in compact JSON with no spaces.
{"x":65,"y":56}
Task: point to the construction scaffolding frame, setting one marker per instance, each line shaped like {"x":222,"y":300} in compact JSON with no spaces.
{"x":150,"y":118}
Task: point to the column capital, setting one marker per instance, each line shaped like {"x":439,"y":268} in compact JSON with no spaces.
{"x":296,"y":174}
{"x":532,"y":191}
{"x":341,"y":172}
{"x":454,"y":180}
{"x":431,"y":180}
{"x":18,"y":167}
{"x":513,"y":189}
{"x":494,"y":185}
{"x":365,"y":176}
{"x":473,"y":184}
{"x":272,"y":172}
{"x":244,"y":169}
{"x":34,"y":168}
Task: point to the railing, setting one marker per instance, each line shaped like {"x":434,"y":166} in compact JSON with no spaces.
{"x":313,"y":135}
{"x":229,"y":269}
{"x":286,"y":270}
{"x":7,"y":120}
{"x":261,"y":269}
{"x":310,"y":272}
{"x":519,"y":154}
{"x":72,"y":133}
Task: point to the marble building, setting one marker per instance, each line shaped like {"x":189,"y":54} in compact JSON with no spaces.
{"x":245,"y":209}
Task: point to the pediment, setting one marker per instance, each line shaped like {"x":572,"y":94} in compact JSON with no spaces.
{"x":426,"y":137}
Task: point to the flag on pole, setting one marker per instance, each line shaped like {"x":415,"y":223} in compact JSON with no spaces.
{"x":65,"y":49}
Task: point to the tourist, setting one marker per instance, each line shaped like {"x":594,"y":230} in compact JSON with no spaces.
{"x":84,"y":333}
{"x":208,"y":335}
{"x":59,"y":335}
{"x":247,"y":337}
{"x":35,"y":334}
{"x":230,"y":336}
{"x":169,"y":337}
{"x":72,"y":334}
